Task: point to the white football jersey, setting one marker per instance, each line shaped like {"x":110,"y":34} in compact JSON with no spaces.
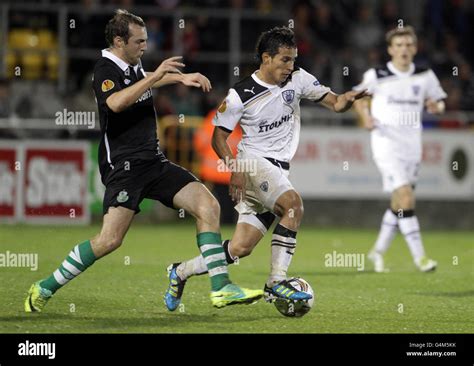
{"x":397,"y":105}
{"x":269,"y":114}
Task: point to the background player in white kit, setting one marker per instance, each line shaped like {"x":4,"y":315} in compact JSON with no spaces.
{"x":400,"y":90}
{"x":266,"y":104}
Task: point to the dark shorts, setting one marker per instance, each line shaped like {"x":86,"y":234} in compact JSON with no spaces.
{"x":130,"y":182}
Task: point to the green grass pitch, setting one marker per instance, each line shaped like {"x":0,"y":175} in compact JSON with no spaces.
{"x":122,"y":293}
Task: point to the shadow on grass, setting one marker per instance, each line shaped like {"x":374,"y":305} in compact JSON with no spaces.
{"x":102,"y":323}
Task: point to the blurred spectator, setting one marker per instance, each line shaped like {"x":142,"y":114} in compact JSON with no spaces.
{"x":186,"y":101}
{"x":366,"y":31}
{"x":190,"y":39}
{"x":163,"y":104}
{"x":156,"y":37}
{"x":167,"y":4}
{"x":326,"y":27}
{"x":389,"y":15}
{"x":466,"y":78}
{"x":304,"y":35}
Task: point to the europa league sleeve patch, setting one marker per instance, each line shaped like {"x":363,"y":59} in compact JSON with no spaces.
{"x":107,"y":85}
{"x":222,"y":107}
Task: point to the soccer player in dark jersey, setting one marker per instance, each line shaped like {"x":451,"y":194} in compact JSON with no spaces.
{"x":132,"y":166}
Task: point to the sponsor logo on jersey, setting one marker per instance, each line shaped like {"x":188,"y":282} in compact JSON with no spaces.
{"x":249,"y":90}
{"x":316,"y":82}
{"x":222,"y":107}
{"x":267,"y":127}
{"x":144,"y":96}
{"x":394,"y":100}
{"x":288,"y":95}
{"x":107,"y":85}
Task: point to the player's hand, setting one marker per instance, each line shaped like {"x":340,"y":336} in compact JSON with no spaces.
{"x":369,"y":123}
{"x":237,"y":186}
{"x":433,"y":106}
{"x":353,"y":95}
{"x":197,"y":80}
{"x":169,"y":65}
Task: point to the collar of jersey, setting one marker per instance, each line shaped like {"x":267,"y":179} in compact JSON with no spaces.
{"x":397,"y":72}
{"x":261,"y":82}
{"x":119,"y":62}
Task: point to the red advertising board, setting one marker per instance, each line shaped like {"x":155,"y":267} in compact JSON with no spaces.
{"x":9,"y":181}
{"x":54,"y":182}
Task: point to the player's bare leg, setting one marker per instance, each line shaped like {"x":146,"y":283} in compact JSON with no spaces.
{"x":116,"y":224}
{"x":403,"y":203}
{"x":82,"y":256}
{"x":196,"y":199}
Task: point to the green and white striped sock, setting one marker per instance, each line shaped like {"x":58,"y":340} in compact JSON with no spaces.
{"x":210,"y":245}
{"x":78,"y":260}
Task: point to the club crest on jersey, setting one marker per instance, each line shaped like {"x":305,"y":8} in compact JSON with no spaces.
{"x":288,"y":96}
{"x":107,"y":85}
{"x":264,"y":186}
{"x":416,"y":89}
{"x":122,"y":196}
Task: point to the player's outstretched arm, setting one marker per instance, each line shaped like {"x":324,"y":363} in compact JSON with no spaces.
{"x":342,"y":102}
{"x":124,"y":98}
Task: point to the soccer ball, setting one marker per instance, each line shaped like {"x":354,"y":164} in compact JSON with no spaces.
{"x":294,"y":308}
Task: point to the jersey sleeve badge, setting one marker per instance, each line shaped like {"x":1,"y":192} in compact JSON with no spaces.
{"x":107,"y":85}
{"x":222,"y":107}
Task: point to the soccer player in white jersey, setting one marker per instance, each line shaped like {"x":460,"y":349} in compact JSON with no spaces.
{"x":400,"y":90}
{"x":266,"y":104}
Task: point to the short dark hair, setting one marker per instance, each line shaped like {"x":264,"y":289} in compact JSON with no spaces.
{"x":118,"y":26}
{"x":270,"y":41}
{"x":402,"y":31}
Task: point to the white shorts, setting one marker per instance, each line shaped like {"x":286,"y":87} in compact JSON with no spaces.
{"x":397,"y":172}
{"x":265,"y":183}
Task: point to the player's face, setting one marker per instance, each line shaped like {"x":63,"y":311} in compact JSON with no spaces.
{"x":402,"y":49}
{"x":280,"y":66}
{"x":136,"y":45}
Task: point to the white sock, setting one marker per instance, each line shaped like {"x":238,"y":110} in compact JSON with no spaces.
{"x":388,"y":230}
{"x":283,"y":248}
{"x":410,"y":228}
{"x":197,"y":266}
